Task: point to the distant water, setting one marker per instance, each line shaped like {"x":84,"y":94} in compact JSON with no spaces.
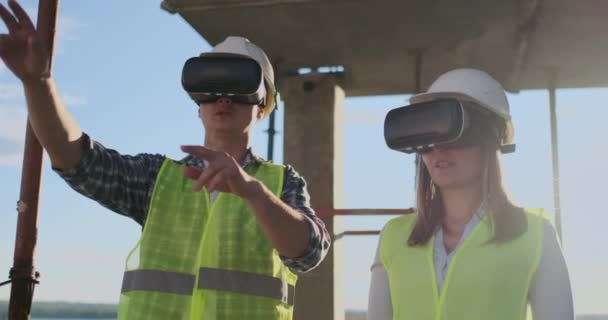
{"x":579,"y":317}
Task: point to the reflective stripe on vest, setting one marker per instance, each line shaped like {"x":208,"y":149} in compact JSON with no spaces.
{"x":155,"y":280}
{"x":209,"y":279}
{"x":246,"y":283}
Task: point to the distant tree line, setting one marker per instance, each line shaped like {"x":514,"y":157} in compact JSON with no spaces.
{"x":66,"y":310}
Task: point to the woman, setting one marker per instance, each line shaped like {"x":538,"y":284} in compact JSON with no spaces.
{"x":469,"y":252}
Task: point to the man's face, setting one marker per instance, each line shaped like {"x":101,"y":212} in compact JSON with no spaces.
{"x":226,"y":116}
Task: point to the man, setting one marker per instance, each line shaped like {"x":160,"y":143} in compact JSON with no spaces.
{"x":224,"y":232}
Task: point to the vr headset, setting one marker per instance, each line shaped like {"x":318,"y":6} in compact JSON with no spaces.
{"x":419,"y":127}
{"x":208,"y":78}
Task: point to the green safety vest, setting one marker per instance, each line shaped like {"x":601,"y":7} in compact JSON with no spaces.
{"x":201,"y":261}
{"x":485,"y":280}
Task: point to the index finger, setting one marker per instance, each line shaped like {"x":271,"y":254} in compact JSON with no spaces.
{"x":199,"y":152}
{"x":24,"y":19}
{"x":11,"y":23}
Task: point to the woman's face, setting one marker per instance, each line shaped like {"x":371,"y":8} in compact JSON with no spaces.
{"x":455,"y":167}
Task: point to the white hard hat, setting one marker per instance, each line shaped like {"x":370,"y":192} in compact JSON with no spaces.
{"x":474,"y":86}
{"x":234,"y":45}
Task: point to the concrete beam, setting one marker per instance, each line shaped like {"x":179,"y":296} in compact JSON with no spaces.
{"x":172,"y":7}
{"x":525,"y":28}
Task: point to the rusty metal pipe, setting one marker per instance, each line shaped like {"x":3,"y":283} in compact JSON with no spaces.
{"x":23,"y":274}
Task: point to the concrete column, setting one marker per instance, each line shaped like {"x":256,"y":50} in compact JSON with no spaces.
{"x":313,"y":144}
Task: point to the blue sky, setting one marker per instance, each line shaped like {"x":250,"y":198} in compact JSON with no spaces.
{"x":118,"y":66}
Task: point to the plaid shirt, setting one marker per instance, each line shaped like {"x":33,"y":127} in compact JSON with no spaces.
{"x":124,"y":184}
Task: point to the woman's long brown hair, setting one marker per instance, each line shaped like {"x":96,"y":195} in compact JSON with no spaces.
{"x":508,"y":221}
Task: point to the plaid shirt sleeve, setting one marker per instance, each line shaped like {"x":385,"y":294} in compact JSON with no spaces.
{"x":121,"y":183}
{"x":124,"y":184}
{"x":295,"y":194}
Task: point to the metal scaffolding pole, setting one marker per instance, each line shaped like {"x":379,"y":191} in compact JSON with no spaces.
{"x":271,"y":133}
{"x":23,"y":275}
{"x":555,"y":161}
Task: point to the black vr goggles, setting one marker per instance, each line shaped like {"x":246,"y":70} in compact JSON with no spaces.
{"x":210,"y":77}
{"x":419,"y":127}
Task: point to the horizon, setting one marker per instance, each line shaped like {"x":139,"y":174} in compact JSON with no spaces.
{"x":347,"y":311}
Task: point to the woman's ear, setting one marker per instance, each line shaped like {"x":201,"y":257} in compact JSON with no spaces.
{"x":260,"y":113}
